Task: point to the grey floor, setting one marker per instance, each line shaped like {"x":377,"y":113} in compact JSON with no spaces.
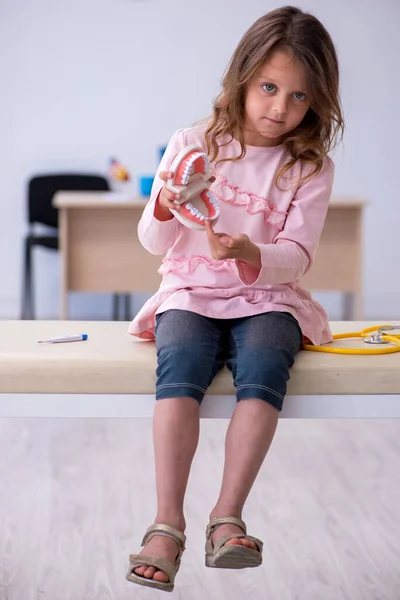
{"x":77,"y":494}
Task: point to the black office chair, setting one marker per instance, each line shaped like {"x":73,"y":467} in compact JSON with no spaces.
{"x":41,"y":190}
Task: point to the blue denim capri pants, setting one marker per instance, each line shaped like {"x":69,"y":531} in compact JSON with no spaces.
{"x":259,"y":350}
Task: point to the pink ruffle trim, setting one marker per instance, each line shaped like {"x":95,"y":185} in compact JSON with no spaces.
{"x":186,"y":265}
{"x":233,"y":194}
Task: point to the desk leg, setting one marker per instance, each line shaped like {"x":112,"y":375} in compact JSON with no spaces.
{"x":352,"y":306}
{"x":125,"y":299}
{"x":115,"y":311}
{"x":128,"y":315}
{"x":63,"y":242}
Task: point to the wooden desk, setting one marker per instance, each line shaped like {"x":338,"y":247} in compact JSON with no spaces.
{"x":101,"y":252}
{"x":338,"y":264}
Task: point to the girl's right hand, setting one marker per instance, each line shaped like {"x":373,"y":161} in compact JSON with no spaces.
{"x":166,"y":199}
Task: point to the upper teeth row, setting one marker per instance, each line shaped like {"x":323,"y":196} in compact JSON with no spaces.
{"x":189,"y":165}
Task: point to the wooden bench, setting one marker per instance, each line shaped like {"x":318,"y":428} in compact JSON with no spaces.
{"x":113,"y":375}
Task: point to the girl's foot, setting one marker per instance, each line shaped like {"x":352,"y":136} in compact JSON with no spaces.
{"x":226,"y":551}
{"x":228,"y":530}
{"x":161,"y":547}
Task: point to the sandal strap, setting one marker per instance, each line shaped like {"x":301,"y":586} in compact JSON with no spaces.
{"x":147,"y":560}
{"x":214,"y":523}
{"x":220,"y":543}
{"x":159,"y":529}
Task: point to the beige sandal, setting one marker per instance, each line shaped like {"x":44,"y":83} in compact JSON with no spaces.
{"x":231,"y":557}
{"x":162,"y":564}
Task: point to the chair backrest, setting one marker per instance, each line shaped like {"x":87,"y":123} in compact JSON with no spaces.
{"x":42,"y":188}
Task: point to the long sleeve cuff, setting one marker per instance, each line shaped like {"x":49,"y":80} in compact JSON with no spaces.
{"x":280,"y":263}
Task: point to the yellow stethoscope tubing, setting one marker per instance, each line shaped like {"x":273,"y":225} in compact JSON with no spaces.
{"x":394,"y":339}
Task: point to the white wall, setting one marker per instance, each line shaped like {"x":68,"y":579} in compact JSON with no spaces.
{"x":86,"y":79}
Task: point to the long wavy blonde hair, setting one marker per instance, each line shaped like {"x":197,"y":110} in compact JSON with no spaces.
{"x":286,"y":28}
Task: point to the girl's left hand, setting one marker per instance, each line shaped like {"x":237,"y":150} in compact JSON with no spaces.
{"x":239,"y":247}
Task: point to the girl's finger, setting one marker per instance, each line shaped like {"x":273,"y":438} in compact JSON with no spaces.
{"x":226,"y":241}
{"x":165,"y":175}
{"x":172,"y":205}
{"x":208,"y":227}
{"x":169,"y":195}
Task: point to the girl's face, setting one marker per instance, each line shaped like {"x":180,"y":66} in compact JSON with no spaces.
{"x":276,"y":100}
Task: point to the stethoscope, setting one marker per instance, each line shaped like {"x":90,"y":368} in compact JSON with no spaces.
{"x":370,"y":335}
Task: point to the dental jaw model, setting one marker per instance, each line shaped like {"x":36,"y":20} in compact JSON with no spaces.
{"x":192,"y":174}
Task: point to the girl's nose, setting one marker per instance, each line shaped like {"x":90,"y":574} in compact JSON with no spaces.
{"x":280,"y":105}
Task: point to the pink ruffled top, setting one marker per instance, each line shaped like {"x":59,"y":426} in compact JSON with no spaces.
{"x":286,"y":225}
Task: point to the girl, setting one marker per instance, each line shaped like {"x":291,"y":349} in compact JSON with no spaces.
{"x":232,"y":295}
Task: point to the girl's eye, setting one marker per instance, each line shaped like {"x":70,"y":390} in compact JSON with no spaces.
{"x":269,"y":87}
{"x":299,"y":96}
